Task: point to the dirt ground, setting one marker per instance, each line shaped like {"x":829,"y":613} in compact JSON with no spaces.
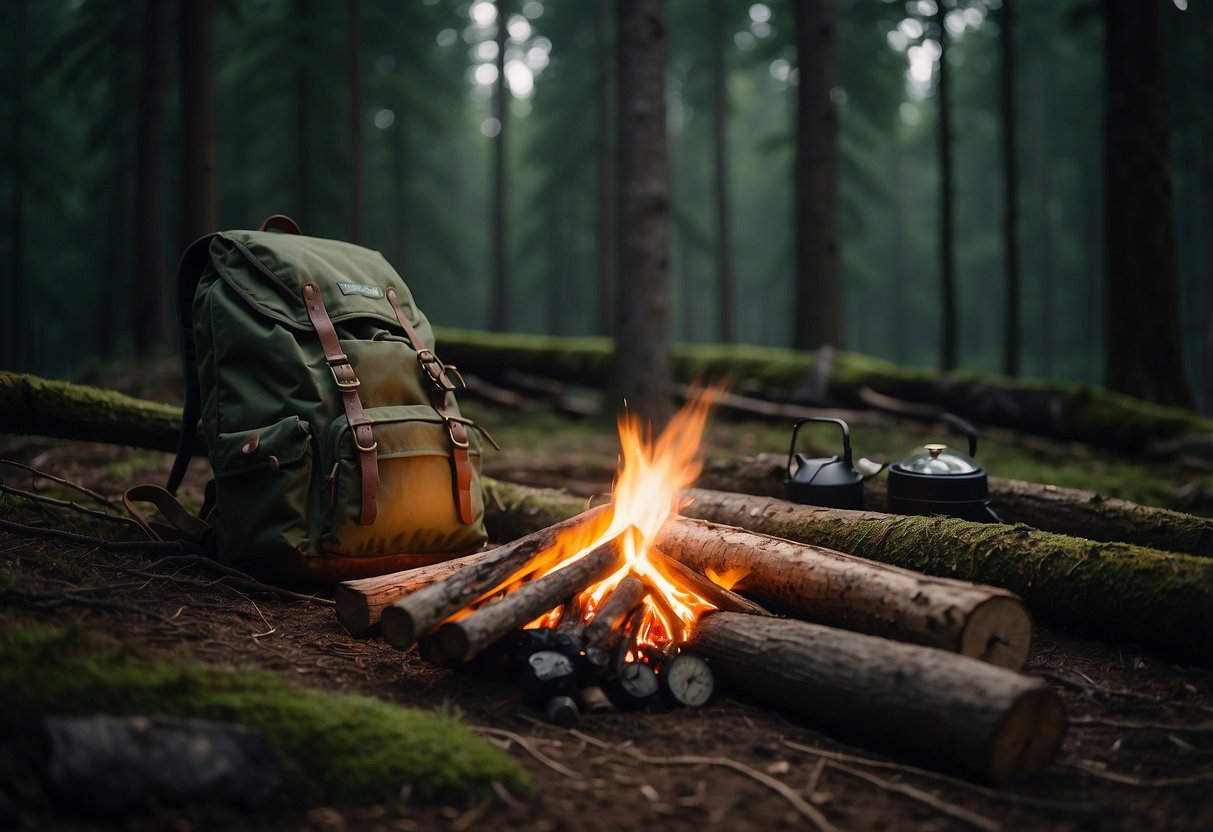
{"x":1138,"y":753}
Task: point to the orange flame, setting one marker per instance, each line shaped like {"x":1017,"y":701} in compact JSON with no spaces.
{"x":647,"y":491}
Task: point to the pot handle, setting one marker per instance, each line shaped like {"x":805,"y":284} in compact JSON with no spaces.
{"x":964,"y":427}
{"x":846,"y":438}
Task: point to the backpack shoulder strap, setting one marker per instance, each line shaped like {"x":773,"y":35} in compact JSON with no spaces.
{"x":188,"y":274}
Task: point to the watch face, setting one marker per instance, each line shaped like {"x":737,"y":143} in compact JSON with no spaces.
{"x":548,"y":664}
{"x":689,"y":680}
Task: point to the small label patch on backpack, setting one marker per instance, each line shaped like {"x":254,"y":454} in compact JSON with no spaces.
{"x":360,"y":289}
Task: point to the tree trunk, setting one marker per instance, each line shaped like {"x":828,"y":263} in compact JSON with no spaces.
{"x":499,"y":309}
{"x":1112,"y":590}
{"x":399,"y":196}
{"x":1143,"y":350}
{"x":1045,"y":218}
{"x":1207,"y":341}
{"x":356,"y":119}
{"x":604,"y":151}
{"x":818,"y":304}
{"x":720,"y":176}
{"x":1010,"y":214}
{"x":1068,"y":511}
{"x":947,"y":256}
{"x":199,"y":193}
{"x":302,"y":14}
{"x":641,"y":365}
{"x":842,"y":590}
{"x":986,"y":721}
{"x":148,"y":307}
{"x":18,"y":315}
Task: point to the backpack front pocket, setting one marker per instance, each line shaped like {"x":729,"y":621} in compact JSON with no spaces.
{"x":262,"y":482}
{"x":415,"y":503}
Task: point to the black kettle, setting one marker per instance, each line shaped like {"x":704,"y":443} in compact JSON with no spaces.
{"x":832,"y":481}
{"x":941,"y":480}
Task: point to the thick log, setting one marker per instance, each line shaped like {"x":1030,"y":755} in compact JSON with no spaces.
{"x":1050,"y":508}
{"x":842,"y":590}
{"x":405,"y":621}
{"x":40,"y":407}
{"x":609,"y":617}
{"x":458,"y":642}
{"x":1111,"y":590}
{"x":360,"y":603}
{"x":985,"y":721}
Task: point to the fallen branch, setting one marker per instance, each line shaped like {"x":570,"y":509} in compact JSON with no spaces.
{"x":939,"y":805}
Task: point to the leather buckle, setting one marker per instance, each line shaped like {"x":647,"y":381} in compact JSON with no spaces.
{"x":450,"y":431}
{"x":349,"y":384}
{"x":374,"y":445}
{"x":435,"y":369}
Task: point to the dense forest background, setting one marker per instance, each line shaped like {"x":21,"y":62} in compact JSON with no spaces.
{"x":386,"y":123}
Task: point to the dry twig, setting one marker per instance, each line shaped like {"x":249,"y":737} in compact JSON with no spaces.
{"x":938,"y":804}
{"x":529,"y":747}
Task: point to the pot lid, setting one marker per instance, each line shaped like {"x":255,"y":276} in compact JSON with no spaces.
{"x":939,"y":460}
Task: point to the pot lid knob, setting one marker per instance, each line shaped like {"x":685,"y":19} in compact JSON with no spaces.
{"x":935,"y":450}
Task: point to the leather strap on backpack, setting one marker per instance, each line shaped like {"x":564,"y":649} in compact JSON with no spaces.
{"x":440,"y":385}
{"x":184,"y":526}
{"x":347,"y":383}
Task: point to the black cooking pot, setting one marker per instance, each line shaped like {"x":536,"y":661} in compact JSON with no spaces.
{"x":941,"y":480}
{"x":829,"y":481}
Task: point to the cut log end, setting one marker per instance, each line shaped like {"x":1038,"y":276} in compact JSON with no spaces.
{"x":398,"y":627}
{"x":1030,"y":735}
{"x":352,"y":610}
{"x":999,"y":631}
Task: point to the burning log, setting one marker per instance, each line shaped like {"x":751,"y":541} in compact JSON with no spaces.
{"x":703,"y":586}
{"x":842,"y":590}
{"x":984,"y":720}
{"x":603,"y":630}
{"x":415,"y":614}
{"x":458,"y":642}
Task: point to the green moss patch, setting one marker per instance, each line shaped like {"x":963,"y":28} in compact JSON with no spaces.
{"x":333,"y":747}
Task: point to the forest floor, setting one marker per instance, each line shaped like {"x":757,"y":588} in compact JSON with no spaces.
{"x":1138,"y":753}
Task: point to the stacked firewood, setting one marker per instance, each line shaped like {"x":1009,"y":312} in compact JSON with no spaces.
{"x":926,"y":666}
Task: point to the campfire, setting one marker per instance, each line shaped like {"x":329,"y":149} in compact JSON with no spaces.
{"x":627,"y":600}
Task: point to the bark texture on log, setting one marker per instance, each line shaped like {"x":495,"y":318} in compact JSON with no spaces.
{"x":415,"y":614}
{"x":1110,"y":590}
{"x":36,"y":406}
{"x":360,"y":603}
{"x":458,"y":642}
{"x":982,"y":720}
{"x":1068,"y":511}
{"x":842,"y":590}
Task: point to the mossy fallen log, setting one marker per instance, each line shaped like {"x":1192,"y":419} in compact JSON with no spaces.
{"x":1163,"y":600}
{"x":1069,"y":511}
{"x":1069,"y":411}
{"x":35,"y":406}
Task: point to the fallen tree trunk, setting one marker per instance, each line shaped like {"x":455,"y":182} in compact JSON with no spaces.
{"x":842,"y":590}
{"x":983,"y":720}
{"x":1109,"y":590}
{"x":1068,"y":511}
{"x":1069,"y":411}
{"x":38,"y":407}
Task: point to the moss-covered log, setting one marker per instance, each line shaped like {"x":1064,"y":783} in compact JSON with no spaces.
{"x":1070,"y":411}
{"x":1108,"y":590}
{"x":1068,"y":511}
{"x":39,"y":407}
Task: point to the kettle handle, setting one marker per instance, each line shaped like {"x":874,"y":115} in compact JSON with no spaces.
{"x":964,"y":427}
{"x":846,"y":438}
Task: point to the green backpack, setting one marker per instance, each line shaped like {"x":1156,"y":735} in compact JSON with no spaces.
{"x":337,"y":446}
